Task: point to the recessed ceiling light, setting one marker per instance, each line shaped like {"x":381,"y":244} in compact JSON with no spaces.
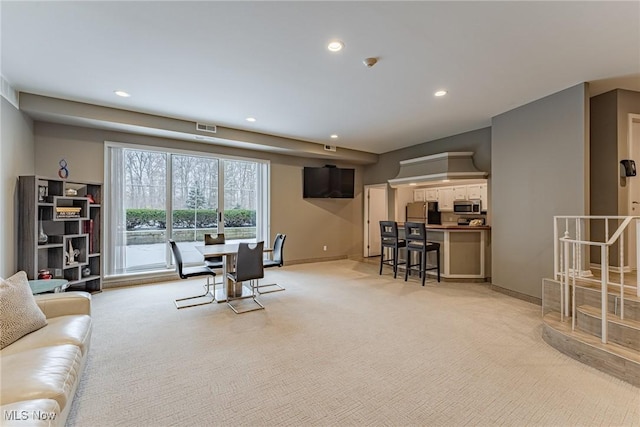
{"x":412,"y":184}
{"x":334,"y":136}
{"x":121,"y":93}
{"x":440,"y":93}
{"x":335,"y":46}
{"x":251,"y":119}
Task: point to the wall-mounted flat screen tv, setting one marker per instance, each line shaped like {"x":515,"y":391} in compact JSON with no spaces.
{"x":328,"y":183}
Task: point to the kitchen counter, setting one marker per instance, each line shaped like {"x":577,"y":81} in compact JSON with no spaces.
{"x":451,"y":226}
{"x":463,"y":250}
{"x":456,"y":227}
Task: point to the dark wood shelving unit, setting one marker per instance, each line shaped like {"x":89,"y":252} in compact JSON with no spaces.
{"x":72,"y":224}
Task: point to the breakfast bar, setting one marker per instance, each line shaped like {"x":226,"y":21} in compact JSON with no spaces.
{"x":463,"y":250}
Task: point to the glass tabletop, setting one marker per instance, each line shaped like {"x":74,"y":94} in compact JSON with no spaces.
{"x":48,"y":285}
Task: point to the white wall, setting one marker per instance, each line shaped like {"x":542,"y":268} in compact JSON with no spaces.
{"x":16,"y":158}
{"x":539,"y":158}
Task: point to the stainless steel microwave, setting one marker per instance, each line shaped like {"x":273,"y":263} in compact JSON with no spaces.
{"x":467,"y":206}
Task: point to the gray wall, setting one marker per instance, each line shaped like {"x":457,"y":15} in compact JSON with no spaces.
{"x":627,"y":102}
{"x":609,"y":136}
{"x":539,"y":169}
{"x":478,"y":141}
{"x":16,"y":158}
{"x":310,"y":224}
{"x":604,"y":171}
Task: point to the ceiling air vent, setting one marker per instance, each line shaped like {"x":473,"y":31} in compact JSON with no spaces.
{"x":206,"y":128}
{"x":330,"y":148}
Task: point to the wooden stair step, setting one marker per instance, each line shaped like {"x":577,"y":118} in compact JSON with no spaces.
{"x":611,"y":317}
{"x":625,"y":332}
{"x":629,"y":294}
{"x":611,"y":288}
{"x":553,"y":320}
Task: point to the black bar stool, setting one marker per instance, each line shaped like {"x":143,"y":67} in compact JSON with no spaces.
{"x":415,"y":234}
{"x":389,"y":239}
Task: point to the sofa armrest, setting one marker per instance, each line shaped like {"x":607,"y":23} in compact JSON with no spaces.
{"x":64,"y":303}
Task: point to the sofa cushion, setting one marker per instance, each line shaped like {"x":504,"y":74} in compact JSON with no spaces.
{"x":32,"y":413}
{"x":19,"y":313}
{"x":41,"y":373}
{"x":74,"y":330}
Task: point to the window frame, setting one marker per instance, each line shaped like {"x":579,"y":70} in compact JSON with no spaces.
{"x":263,"y":199}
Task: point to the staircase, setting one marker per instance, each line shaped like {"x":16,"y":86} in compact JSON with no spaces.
{"x":594,"y":318}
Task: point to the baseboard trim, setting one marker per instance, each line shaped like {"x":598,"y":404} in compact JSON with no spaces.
{"x":518,"y":295}
{"x":312,"y":260}
{"x":612,"y":268}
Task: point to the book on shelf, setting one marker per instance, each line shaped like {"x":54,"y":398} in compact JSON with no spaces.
{"x":68,"y":212}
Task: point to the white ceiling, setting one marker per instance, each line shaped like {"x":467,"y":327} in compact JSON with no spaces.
{"x":220,"y":62}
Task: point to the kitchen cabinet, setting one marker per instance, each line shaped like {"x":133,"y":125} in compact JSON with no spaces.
{"x":478,"y":191}
{"x":445,"y":196}
{"x":460,"y":192}
{"x":445,"y":199}
{"x":431,"y":194}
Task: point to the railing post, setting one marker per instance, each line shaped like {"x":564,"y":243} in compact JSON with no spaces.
{"x":621,"y":263}
{"x":604,"y":263}
{"x":556,"y":253}
{"x":637,"y":257}
{"x":578,"y":237}
{"x":573,"y":294}
{"x":565,"y":307}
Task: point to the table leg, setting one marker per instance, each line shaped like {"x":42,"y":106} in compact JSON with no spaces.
{"x":229,"y":287}
{"x":221,"y":294}
{"x":234,"y":289}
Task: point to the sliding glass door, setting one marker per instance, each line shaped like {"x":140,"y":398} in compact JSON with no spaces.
{"x":154,"y":195}
{"x":240,"y":199}
{"x":194,"y":202}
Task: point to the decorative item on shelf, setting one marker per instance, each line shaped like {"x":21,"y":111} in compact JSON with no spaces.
{"x":42,"y":237}
{"x":70,"y":192}
{"x":63,"y":172}
{"x":86,"y":272}
{"x":72,"y":254}
{"x":43,"y":192}
{"x":90,"y":198}
{"x":44,"y":275}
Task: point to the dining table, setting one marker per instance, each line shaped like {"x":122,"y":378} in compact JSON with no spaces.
{"x":228,"y":252}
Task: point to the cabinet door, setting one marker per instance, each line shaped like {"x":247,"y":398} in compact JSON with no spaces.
{"x":478,"y":192}
{"x":474,"y":191}
{"x":431,"y":194}
{"x":483,"y":197}
{"x":445,"y":199}
{"x":460,"y":192}
{"x":418,"y":195}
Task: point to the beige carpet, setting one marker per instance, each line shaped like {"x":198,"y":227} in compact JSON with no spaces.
{"x":341,"y":346}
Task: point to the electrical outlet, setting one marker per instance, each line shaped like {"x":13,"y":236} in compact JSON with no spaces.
{"x":324,"y":248}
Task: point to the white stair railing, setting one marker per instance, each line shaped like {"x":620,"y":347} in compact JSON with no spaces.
{"x":571,"y":253}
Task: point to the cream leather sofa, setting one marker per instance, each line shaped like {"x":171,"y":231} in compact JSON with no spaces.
{"x":41,"y":370}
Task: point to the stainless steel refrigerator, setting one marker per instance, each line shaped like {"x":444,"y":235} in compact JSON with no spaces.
{"x":426,"y":212}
